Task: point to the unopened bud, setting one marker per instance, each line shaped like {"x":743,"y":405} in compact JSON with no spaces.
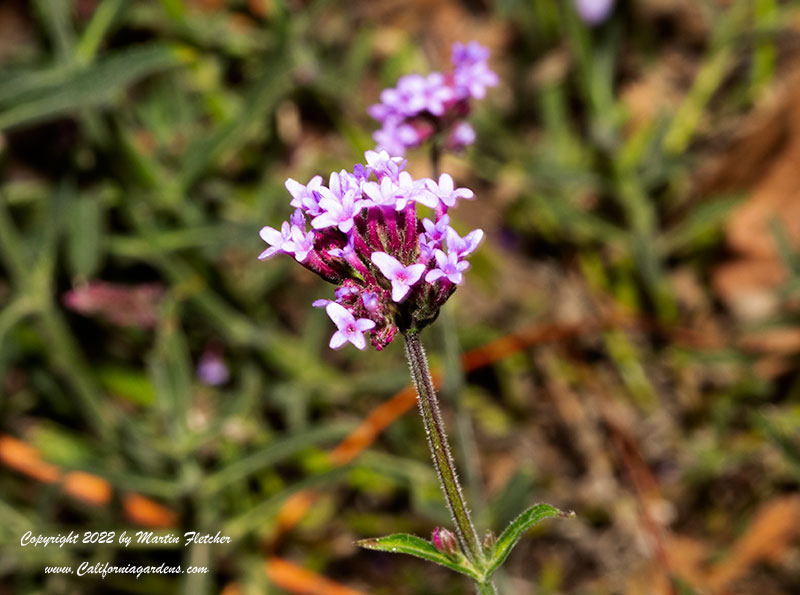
{"x":444,"y":541}
{"x":489,"y":540}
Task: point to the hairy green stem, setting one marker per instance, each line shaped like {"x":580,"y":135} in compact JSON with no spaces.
{"x":442,"y":458}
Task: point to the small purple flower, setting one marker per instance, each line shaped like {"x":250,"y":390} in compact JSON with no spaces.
{"x":467,"y":55}
{"x":472,"y":74}
{"x":448,"y":266}
{"x":594,"y":12}
{"x":436,"y":93}
{"x":381,"y":195}
{"x":462,"y":246}
{"x":446,"y":192}
{"x":338,"y":214}
{"x":394,"y":137}
{"x":305,"y":197}
{"x":279,"y":241}
{"x":435,"y":232}
{"x":350,"y":329}
{"x":302,"y":242}
{"x":370,"y":300}
{"x":382,"y":164}
{"x":402,"y":277}
{"x":346,"y":251}
{"x":342,"y":292}
{"x":461,"y":137}
{"x":211,"y":369}
{"x":427,"y":247}
{"x":343,"y":182}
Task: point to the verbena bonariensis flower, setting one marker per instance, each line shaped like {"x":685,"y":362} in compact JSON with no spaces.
{"x":421,"y":106}
{"x":361,"y":232}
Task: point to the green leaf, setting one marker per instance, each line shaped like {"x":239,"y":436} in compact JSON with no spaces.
{"x":128,"y":383}
{"x":102,"y":19}
{"x":85,"y":227}
{"x":517,"y":528}
{"x":403,"y":543}
{"x":48,"y":96}
{"x":705,"y":219}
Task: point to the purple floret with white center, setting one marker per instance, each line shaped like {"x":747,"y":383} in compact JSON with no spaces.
{"x":305,"y":197}
{"x":337,"y":213}
{"x":350,"y":329}
{"x":462,"y":136}
{"x":279,"y":241}
{"x":402,"y":277}
{"x":462,"y":246}
{"x":447,"y":266}
{"x":302,"y":243}
{"x":435,"y":232}
{"x":446,"y":191}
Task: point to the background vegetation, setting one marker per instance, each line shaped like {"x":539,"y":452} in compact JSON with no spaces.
{"x":629,"y":327}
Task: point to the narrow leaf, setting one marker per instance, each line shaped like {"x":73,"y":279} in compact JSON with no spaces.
{"x":85,"y":227}
{"x":89,"y":86}
{"x":517,"y":528}
{"x":403,"y":543}
{"x":707,"y":218}
{"x":271,"y":454}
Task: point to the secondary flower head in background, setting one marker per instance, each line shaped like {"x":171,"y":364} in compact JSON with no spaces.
{"x":118,"y":303}
{"x":421,"y":106}
{"x":361,"y":232}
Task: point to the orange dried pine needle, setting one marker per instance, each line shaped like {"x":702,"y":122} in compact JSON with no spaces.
{"x":25,"y":459}
{"x":301,"y":581}
{"x":87,"y":488}
{"x":148,"y":512}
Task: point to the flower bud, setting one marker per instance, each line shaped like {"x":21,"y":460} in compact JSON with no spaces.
{"x":489,"y":541}
{"x":444,"y":541}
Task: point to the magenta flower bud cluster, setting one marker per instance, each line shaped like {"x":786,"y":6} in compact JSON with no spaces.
{"x":445,"y":541}
{"x":421,"y":106}
{"x":361,"y":232}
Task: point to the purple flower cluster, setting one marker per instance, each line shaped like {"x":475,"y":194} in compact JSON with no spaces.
{"x":421,"y":106}
{"x":361,"y":232}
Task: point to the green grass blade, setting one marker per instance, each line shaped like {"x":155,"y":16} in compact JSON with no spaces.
{"x":90,"y":86}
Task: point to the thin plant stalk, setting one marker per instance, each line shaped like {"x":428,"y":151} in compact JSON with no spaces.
{"x":454,"y":375}
{"x":442,"y":457}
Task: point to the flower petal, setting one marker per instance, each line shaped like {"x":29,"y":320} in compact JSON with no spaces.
{"x":270,"y":235}
{"x":399,"y":291}
{"x":337,"y":340}
{"x":324,"y":220}
{"x":414,"y":272}
{"x":358,"y":340}
{"x":434,"y":275}
{"x":446,"y":184}
{"x":267,"y":253}
{"x":388,"y":265}
{"x":364,"y":324}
